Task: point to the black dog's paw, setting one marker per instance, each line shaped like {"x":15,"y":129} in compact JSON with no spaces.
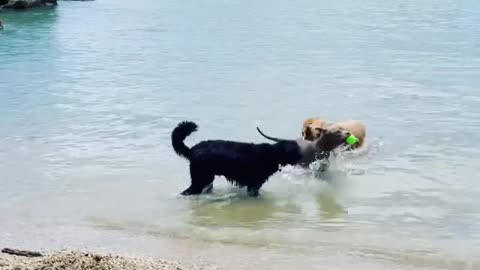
{"x":208,"y":189}
{"x":253,"y":192}
{"x":196,"y":190}
{"x":185,"y":193}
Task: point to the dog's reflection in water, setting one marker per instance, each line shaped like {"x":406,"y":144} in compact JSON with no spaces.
{"x":237,"y":209}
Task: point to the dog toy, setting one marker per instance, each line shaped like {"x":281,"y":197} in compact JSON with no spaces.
{"x":351,"y":140}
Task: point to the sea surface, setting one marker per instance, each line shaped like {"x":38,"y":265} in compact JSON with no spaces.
{"x":90,"y":91}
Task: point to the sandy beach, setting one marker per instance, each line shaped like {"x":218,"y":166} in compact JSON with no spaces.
{"x":77,"y":260}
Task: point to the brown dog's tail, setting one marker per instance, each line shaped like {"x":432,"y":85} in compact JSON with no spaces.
{"x":270,"y":138}
{"x":182,"y":131}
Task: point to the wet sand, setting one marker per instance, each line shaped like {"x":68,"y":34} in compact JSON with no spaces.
{"x":76,"y":260}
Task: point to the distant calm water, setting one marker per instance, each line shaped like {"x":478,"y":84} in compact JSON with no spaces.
{"x":90,"y":91}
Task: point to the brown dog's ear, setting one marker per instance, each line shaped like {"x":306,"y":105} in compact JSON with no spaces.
{"x":308,"y":122}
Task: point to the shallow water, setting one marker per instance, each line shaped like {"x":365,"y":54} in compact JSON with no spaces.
{"x":90,"y":92}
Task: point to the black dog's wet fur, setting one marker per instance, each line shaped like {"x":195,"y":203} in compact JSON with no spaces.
{"x":244,"y":164}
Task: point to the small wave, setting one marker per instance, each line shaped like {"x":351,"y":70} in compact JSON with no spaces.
{"x":341,"y":163}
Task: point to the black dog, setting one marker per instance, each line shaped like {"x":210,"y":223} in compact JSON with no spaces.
{"x":245,"y":164}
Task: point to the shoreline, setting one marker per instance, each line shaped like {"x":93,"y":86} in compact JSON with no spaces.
{"x":85,"y":260}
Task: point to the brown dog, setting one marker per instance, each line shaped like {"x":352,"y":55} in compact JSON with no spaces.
{"x":313,"y":128}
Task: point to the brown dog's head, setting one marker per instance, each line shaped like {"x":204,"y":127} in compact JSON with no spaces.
{"x":313,"y":128}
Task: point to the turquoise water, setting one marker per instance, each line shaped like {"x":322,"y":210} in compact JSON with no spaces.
{"x":90,"y":91}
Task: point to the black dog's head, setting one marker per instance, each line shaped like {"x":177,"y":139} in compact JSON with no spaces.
{"x":331,"y":139}
{"x":305,"y":151}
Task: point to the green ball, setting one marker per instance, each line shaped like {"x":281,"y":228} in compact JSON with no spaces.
{"x":351,"y":140}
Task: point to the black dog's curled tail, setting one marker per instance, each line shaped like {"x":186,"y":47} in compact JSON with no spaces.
{"x":182,"y":131}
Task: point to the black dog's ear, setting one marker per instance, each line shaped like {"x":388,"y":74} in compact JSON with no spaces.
{"x":320,"y":143}
{"x":326,"y":142}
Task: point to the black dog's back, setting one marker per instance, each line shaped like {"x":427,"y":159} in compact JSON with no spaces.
{"x":239,"y":162}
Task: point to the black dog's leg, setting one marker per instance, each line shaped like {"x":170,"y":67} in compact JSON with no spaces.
{"x":209,"y":188}
{"x":324,"y":161}
{"x":201,"y":178}
{"x":324,"y":164}
{"x":253,"y":190}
